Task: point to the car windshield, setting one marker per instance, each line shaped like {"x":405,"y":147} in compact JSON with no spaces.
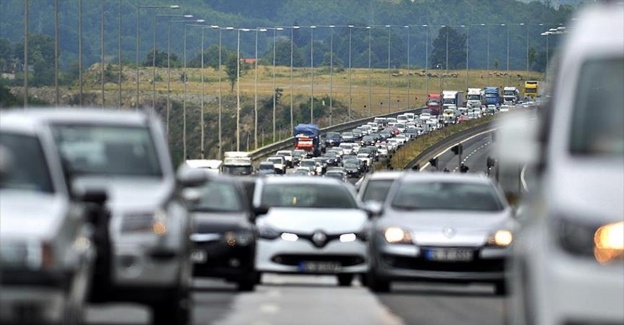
{"x":237,"y":170}
{"x":275,"y":160}
{"x":308,"y":163}
{"x":307,"y":195}
{"x":108,"y":150}
{"x":446,"y":196}
{"x":597,"y":121}
{"x":376,"y":190}
{"x":218,"y":196}
{"x":268,"y":166}
{"x":284,"y":153}
{"x":28,"y":169}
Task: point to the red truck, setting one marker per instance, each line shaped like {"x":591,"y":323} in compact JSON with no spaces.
{"x":433,"y":103}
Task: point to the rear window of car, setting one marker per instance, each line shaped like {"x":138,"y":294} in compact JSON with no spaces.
{"x":599,"y":110}
{"x":376,"y":190}
{"x":219,"y":196}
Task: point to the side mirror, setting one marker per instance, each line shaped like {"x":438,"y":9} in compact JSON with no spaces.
{"x":373,"y":209}
{"x":191,"y":177}
{"x":258,"y":211}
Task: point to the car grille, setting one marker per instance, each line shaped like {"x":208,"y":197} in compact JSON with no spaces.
{"x":294,"y":260}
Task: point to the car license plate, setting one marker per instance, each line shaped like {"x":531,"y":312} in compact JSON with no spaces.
{"x":319,"y":267}
{"x":199,"y":256}
{"x":449,"y":255}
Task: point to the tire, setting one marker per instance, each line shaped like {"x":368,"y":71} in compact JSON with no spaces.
{"x":344,"y":280}
{"x":364,"y":279}
{"x":175,"y":309}
{"x":258,"y":278}
{"x":376,"y":284}
{"x":500,"y":288}
{"x":247,"y":283}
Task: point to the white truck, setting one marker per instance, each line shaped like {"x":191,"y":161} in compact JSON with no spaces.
{"x":474,"y":98}
{"x":511,"y":95}
{"x":210,"y":165}
{"x":452,"y":97}
{"x":237,"y":163}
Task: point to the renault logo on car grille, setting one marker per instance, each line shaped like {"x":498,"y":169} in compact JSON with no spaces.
{"x":319,"y":239}
{"x":448,"y":232}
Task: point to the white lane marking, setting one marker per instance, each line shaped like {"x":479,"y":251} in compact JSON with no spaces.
{"x":269,"y":309}
{"x":523,"y":179}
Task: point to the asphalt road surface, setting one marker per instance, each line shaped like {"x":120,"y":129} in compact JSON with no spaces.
{"x":315,"y":300}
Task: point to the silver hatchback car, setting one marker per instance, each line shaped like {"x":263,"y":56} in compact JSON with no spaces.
{"x":48,"y":230}
{"x":146,"y":258}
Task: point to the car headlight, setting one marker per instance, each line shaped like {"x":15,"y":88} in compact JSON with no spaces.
{"x":268,"y":233}
{"x":154,"y":222}
{"x":396,"y":235}
{"x":31,"y":255}
{"x":239,"y":238}
{"x":500,"y":238}
{"x":609,"y":242}
{"x":604,"y":243}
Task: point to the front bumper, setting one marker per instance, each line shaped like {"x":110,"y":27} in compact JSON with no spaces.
{"x":408,"y":262}
{"x":279,"y":256}
{"x":218,"y":259}
{"x":137,"y":265}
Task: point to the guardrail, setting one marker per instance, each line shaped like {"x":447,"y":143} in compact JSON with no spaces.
{"x":267,"y":150}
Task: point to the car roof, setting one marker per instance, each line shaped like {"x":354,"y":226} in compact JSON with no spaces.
{"x":36,"y":117}
{"x":446,"y":177}
{"x":386,"y":175}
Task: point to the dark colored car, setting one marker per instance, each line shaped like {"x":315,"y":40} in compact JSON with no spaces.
{"x":368,"y":140}
{"x":333,"y":139}
{"x":225,"y":234}
{"x":332,"y":159}
{"x":352,"y":168}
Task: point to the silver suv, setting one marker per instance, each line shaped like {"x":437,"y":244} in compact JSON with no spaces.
{"x":147,"y":259}
{"x":47,"y":230}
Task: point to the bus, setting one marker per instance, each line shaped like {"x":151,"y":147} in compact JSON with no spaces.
{"x":531,"y":89}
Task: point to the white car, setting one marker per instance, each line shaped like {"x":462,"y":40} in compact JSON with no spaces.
{"x":314,"y":226}
{"x":347,"y":147}
{"x":288,"y":155}
{"x":568,"y":259}
{"x":304,"y":171}
{"x":424,"y":117}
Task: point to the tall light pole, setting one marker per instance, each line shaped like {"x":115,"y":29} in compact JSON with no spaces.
{"x":488,"y":52}
{"x":26,"y":14}
{"x":80,"y":50}
{"x":57,"y":96}
{"x":527,"y":45}
{"x":409,"y":77}
{"x":138,"y":10}
{"x":185,"y":81}
{"x":238,"y":106}
{"x":331,"y":73}
{"x":102,"y":51}
{"x":256,"y":89}
{"x":389,"y":102}
{"x":350,"y":98}
{"x":507,"y":26}
{"x":120,"y":67}
{"x":447,"y":49}
{"x":275,"y":29}
{"x":427,"y":57}
{"x":370,"y":70}
{"x":168,"y":66}
{"x":467,"y":36}
{"x":312,"y":73}
{"x":201,"y":115}
{"x":292,"y":88}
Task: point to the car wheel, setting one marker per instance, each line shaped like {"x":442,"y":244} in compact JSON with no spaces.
{"x":258,"y":277}
{"x":176,"y":308}
{"x":363,"y":279}
{"x":344,"y":280}
{"x":376,"y":284}
{"x":500,"y":288}
{"x":247,"y":283}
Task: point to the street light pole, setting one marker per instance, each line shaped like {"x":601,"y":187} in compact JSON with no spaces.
{"x":312,"y":73}
{"x":527,"y":45}
{"x":427,"y":57}
{"x":256,"y":89}
{"x":467,"y":39}
{"x":238,"y":107}
{"x":409,"y":78}
{"x":292,"y":88}
{"x":26,"y":14}
{"x":488,"y":52}
{"x":56,"y":54}
{"x":80,"y":50}
{"x":119,"y":80}
{"x":370,"y":92}
{"x":201,"y":115}
{"x":331,"y":73}
{"x":102,"y":51}
{"x":447,"y":56}
{"x":507,"y":26}
{"x":389,"y":102}
{"x":274,"y":84}
{"x":350,"y":98}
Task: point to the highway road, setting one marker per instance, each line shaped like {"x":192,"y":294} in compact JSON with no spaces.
{"x":303,"y":300}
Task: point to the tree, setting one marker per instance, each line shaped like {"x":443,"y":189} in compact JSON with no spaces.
{"x":456,"y":49}
{"x":282,"y":54}
{"x":231,"y":68}
{"x":211,"y":57}
{"x":40,"y":56}
{"x":161,"y":59}
{"x":496,"y":64}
